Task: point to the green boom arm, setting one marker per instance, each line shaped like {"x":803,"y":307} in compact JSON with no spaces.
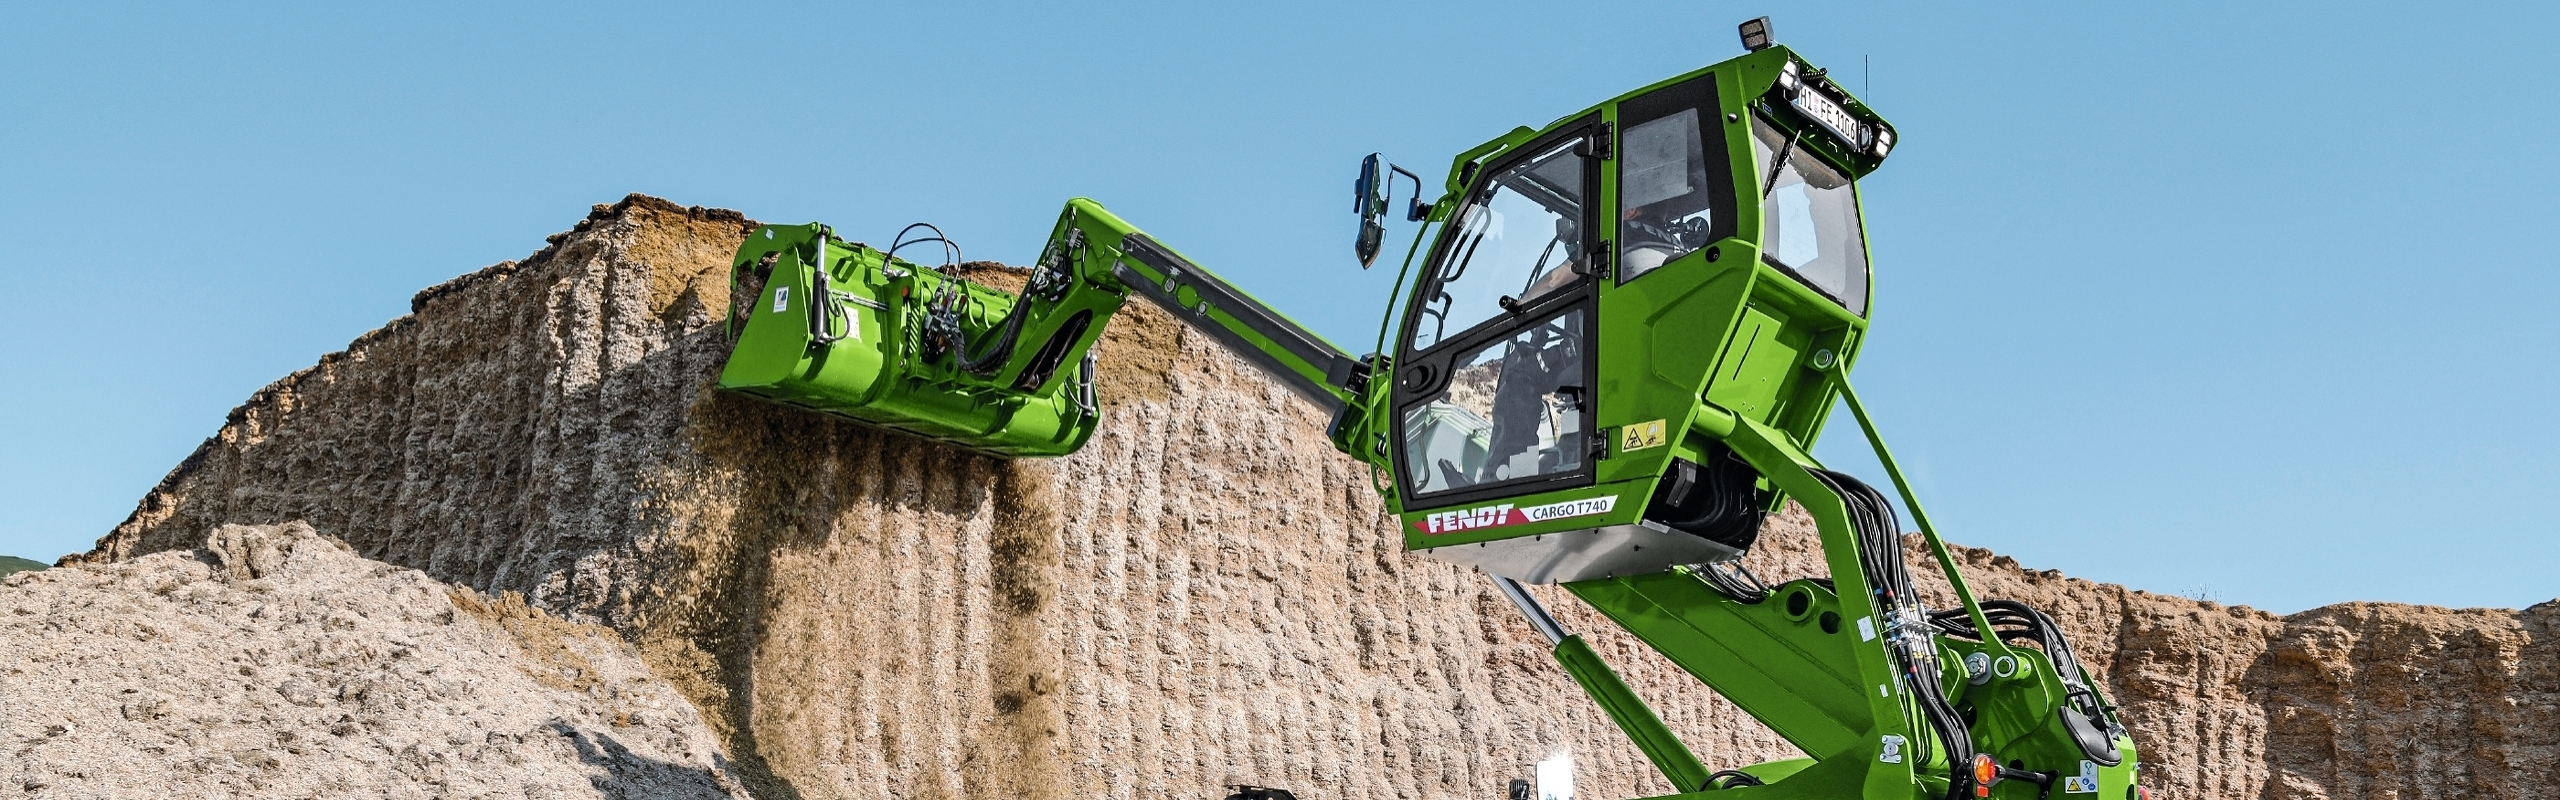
{"x":1111,"y":255}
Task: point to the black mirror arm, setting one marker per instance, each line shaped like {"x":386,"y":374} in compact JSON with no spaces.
{"x":1419,"y":210}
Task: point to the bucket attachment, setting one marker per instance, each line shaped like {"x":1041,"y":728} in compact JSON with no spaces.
{"x":845,"y":330}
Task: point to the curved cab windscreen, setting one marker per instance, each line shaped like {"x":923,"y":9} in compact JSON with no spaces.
{"x":1811,"y":213}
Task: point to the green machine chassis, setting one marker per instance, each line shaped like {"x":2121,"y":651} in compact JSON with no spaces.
{"x":1676,"y":375}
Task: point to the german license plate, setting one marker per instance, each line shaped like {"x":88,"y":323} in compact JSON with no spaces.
{"x":1831,"y":116}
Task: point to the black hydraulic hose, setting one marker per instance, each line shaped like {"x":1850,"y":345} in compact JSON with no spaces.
{"x":992,"y":357}
{"x":1732,"y":778}
{"x":2019,"y":622}
{"x":1000,"y":349}
{"x":950,"y":249}
{"x":1909,"y":630}
{"x":1723,"y":503}
{"x":2014,"y":620}
{"x":1735,"y":581}
{"x":993,"y":354}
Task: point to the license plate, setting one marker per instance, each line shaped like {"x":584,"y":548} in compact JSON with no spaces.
{"x":1831,"y":116}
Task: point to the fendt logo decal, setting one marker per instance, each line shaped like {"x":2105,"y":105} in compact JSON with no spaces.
{"x":1499,"y":515}
{"x":1470,"y":519}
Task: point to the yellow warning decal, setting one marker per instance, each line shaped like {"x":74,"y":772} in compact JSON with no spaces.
{"x":1640,"y":436}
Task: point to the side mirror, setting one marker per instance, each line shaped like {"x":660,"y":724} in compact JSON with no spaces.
{"x":1370,"y":202}
{"x":1371,"y":195}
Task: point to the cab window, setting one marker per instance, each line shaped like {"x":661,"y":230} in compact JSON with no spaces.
{"x":1512,"y":409}
{"x":1810,"y":213}
{"x":1493,"y":385}
{"x":1672,"y":182}
{"x":1518,"y":240}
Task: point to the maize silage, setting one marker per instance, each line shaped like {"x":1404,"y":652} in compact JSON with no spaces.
{"x":1206,"y":595}
{"x":272,"y":662}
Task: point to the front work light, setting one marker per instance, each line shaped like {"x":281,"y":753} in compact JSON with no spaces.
{"x":1755,"y":35}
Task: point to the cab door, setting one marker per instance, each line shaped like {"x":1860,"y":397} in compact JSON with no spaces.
{"x":1494,"y":376}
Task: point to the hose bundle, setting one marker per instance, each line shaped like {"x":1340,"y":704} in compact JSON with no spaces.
{"x":1735,"y":581}
{"x":1909,"y":631}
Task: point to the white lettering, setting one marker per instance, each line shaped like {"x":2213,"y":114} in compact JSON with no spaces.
{"x":1495,"y":516}
{"x":1570,"y":508}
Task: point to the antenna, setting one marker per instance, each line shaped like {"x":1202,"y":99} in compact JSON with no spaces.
{"x":1867,"y":78}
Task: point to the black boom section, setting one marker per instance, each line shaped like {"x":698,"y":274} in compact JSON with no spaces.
{"x":1254,"y":318}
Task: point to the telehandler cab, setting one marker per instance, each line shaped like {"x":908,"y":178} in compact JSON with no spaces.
{"x":1627,"y":330}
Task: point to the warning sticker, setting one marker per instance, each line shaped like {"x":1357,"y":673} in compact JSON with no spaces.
{"x":2083,"y":783}
{"x":1640,"y":436}
{"x":781,"y":299}
{"x":1501,"y":514}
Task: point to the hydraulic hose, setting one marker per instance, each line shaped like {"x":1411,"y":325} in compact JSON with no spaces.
{"x":1909,"y":630}
{"x":1000,"y":349}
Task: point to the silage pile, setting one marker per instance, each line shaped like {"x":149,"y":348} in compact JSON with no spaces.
{"x":1207,"y":594}
{"x":274,"y":662}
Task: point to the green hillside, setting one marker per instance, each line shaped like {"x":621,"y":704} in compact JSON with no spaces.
{"x":11,"y":564}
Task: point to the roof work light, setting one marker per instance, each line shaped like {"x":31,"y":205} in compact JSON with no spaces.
{"x":1755,"y":35}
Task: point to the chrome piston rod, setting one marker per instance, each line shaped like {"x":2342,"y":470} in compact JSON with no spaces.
{"x":1529,"y":607}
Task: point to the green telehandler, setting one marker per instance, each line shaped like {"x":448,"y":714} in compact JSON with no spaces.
{"x":1625,"y":334}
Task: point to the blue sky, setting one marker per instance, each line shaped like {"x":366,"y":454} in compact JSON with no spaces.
{"x":2236,"y":302}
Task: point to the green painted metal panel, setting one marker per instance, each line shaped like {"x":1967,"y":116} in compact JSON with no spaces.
{"x":1796,"y":675}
